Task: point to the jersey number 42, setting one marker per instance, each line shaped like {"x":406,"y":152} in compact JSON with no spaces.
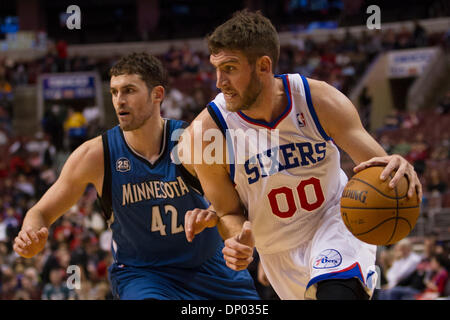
{"x":157,"y":221}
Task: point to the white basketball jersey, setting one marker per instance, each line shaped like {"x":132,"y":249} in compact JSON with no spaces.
{"x":287,"y":172}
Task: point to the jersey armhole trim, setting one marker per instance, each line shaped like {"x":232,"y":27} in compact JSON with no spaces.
{"x":312,"y":111}
{"x":216,"y":115}
{"x":106,"y":200}
{"x":190,"y":179}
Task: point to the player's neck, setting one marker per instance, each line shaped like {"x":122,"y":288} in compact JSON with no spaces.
{"x":146,"y":141}
{"x":270,"y":103}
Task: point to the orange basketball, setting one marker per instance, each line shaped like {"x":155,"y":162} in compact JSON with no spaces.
{"x":374,"y":212}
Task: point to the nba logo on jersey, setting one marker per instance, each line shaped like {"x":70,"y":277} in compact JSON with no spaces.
{"x":123,"y":165}
{"x":301,"y":119}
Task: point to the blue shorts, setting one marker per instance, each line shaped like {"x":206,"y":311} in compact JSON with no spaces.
{"x":213,"y":280}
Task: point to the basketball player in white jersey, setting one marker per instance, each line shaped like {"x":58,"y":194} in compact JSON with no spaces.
{"x":290,"y":191}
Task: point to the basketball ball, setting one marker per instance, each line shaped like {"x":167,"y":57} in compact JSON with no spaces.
{"x":374,"y":212}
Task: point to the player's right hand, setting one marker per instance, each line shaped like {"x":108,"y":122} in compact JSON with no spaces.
{"x":195,"y":221}
{"x":28,"y":242}
{"x":238,"y":250}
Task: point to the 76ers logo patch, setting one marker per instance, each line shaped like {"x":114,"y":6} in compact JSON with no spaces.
{"x":328,"y":258}
{"x":123,"y":165}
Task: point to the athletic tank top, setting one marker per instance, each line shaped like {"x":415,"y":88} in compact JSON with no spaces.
{"x":287,"y":172}
{"x":147,"y":204}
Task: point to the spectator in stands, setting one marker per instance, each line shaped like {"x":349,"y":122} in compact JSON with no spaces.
{"x":419,"y":35}
{"x":52,"y":124}
{"x":413,"y":284}
{"x":171,"y":107}
{"x":384,"y":260}
{"x":403,"y":267}
{"x":404,"y":264}
{"x":29,"y":282}
{"x":371,"y":44}
{"x":11,"y":221}
{"x":62,"y":62}
{"x":444,"y":104}
{"x":5,"y":89}
{"x":92,"y":116}
{"x":8,"y":283}
{"x":75,"y":128}
{"x":57,"y":288}
{"x":436,"y":187}
{"x":403,"y":147}
{"x":349,"y":43}
{"x":20,"y":75}
{"x":435,"y":287}
{"x":365,"y":108}
{"x":418,"y":154}
{"x":442,"y":149}
{"x":309,"y":44}
{"x":410,"y":120}
{"x":386,"y":143}
{"x":391,"y":122}
{"x":43,"y":147}
{"x":404,"y":39}
{"x":435,"y":182}
{"x":5,"y":120}
{"x":389,"y":41}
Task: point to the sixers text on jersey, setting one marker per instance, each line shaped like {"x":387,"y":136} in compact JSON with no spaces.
{"x":293,"y":155}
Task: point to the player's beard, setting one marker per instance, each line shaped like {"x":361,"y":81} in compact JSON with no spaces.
{"x":251,"y":93}
{"x":134,"y":124}
{"x":135,"y":121}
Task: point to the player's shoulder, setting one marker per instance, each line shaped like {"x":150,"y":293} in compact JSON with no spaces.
{"x":317,"y":87}
{"x":86,"y":163}
{"x":176,"y":124}
{"x":323,"y":93}
{"x":203,"y":121}
{"x":90,"y":151}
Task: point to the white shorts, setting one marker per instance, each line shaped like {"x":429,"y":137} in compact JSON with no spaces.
{"x":332,"y":253}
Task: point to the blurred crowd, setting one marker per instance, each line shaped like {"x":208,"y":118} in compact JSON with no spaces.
{"x":28,"y":167}
{"x":409,"y":274}
{"x":29,"y":164}
{"x":424,"y":140}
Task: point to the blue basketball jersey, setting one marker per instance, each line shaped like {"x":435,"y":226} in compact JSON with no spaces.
{"x":149,"y":202}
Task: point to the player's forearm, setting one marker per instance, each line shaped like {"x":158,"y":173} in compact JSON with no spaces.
{"x":35,"y":219}
{"x":230,"y":225}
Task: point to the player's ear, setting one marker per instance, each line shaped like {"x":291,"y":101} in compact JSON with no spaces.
{"x":157,"y":93}
{"x":264,"y":64}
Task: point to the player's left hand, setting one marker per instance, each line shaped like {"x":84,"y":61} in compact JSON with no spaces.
{"x":195,"y":221}
{"x":392,"y":163}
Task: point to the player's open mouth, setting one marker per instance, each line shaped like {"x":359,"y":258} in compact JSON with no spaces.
{"x":123,"y":114}
{"x":229,"y":96}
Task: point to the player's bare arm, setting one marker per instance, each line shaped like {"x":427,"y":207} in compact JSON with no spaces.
{"x":84,"y":166}
{"x":341,"y":122}
{"x":197,"y":220}
{"x":214,"y":178}
{"x":220,"y":191}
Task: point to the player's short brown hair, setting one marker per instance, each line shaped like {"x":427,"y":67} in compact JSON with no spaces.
{"x":249,"y":32}
{"x":148,"y":67}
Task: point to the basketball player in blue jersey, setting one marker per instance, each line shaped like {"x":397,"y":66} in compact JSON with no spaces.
{"x":289,"y":191}
{"x":145,"y":197}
